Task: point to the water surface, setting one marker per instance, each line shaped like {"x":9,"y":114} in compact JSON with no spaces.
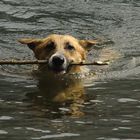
{"x":112,"y":105}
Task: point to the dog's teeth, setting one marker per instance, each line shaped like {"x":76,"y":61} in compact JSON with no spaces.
{"x":63,"y":72}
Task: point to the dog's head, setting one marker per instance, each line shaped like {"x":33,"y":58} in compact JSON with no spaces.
{"x":60,"y":51}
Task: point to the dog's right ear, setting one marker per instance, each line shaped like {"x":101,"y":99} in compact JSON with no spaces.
{"x":89,"y":44}
{"x":31,"y":43}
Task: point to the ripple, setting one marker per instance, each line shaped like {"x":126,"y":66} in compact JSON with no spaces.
{"x":125,"y":128}
{"x":38,"y":130}
{"x":124,"y":100}
{"x":64,"y":109}
{"x":3,"y":132}
{"x":1,"y":100}
{"x":17,"y":128}
{"x":96,"y":101}
{"x":82,"y":122}
{"x":57,"y":136}
{"x":30,"y":86}
{"x":4,"y":118}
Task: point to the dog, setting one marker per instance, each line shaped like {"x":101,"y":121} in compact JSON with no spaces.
{"x":61,"y":51}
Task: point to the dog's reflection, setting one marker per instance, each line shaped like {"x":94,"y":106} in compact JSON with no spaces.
{"x":59,"y":96}
{"x":60,"y":51}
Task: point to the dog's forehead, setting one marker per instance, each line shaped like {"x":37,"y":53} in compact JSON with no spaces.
{"x":61,"y":38}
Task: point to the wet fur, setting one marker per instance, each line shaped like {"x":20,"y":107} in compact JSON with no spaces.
{"x":39,"y":47}
{"x":58,"y":89}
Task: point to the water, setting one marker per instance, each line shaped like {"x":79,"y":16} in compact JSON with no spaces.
{"x":112,"y":105}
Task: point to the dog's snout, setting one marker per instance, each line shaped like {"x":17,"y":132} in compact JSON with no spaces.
{"x":58,"y":63}
{"x":58,"y":60}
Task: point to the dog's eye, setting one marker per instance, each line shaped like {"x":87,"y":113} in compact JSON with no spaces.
{"x":50,"y":46}
{"x":69,"y":47}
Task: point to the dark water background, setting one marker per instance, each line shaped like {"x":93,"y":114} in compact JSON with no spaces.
{"x":113,"y":109}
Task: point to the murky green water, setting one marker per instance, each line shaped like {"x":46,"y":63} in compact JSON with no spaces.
{"x":112,"y":104}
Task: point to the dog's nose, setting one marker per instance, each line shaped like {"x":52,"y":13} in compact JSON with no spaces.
{"x":58,"y":60}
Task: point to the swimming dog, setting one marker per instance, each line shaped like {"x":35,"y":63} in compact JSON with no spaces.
{"x":60,"y":51}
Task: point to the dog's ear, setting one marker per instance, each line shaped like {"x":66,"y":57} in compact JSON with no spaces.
{"x":88,"y":44}
{"x":31,"y":43}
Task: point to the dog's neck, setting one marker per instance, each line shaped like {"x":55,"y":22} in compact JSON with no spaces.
{"x":61,"y":87}
{"x":69,"y":71}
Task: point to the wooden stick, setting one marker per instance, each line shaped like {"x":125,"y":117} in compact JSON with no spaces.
{"x":21,"y":62}
{"x":92,"y":63}
{"x":25,"y":62}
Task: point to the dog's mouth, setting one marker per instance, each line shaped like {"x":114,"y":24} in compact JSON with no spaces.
{"x":58,"y":70}
{"x":58,"y":64}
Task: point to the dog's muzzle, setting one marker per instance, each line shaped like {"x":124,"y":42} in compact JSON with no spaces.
{"x":58,"y":63}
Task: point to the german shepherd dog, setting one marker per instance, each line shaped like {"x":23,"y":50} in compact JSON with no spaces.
{"x":60,"y":51}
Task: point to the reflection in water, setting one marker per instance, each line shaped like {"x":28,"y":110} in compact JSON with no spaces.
{"x":111,"y":106}
{"x":61,"y":95}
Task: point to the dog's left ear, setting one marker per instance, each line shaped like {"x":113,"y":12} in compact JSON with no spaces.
{"x":88,"y":44}
{"x":31,"y":43}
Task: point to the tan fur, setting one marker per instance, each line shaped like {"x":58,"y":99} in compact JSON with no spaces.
{"x":58,"y":90}
{"x":77,"y":56}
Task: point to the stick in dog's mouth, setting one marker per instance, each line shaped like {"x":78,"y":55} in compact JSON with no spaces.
{"x":42,"y":62}
{"x":58,"y":63}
